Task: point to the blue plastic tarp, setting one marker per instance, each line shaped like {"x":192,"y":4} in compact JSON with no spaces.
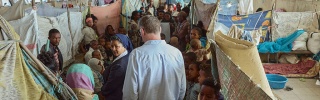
{"x":280,"y":45}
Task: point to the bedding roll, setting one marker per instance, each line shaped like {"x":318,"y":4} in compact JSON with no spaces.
{"x":245,"y":54}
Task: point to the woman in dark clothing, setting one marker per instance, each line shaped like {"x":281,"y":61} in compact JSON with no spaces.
{"x":109,"y":32}
{"x":114,"y":75}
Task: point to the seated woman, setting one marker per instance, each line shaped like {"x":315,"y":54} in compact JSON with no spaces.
{"x":80,"y":80}
{"x":89,"y":35}
{"x":114,"y":74}
{"x":97,"y":68}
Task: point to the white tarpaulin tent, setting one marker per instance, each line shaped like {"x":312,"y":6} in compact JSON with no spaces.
{"x":33,"y":30}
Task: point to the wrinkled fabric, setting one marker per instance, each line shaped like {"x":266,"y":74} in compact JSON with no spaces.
{"x":281,"y":44}
{"x":80,"y":79}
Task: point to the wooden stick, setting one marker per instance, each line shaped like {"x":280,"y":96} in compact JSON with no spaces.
{"x":40,"y":67}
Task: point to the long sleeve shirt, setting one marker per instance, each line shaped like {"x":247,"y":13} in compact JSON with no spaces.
{"x":155,"y":72}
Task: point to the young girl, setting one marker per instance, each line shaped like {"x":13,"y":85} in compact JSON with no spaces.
{"x":210,"y":90}
{"x":188,"y":59}
{"x":196,"y":48}
{"x":193,"y":87}
{"x":196,"y":33}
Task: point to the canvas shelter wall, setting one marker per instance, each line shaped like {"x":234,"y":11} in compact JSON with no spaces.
{"x":27,"y":29}
{"x":14,"y":12}
{"x":298,"y":5}
{"x":15,"y":79}
{"x":204,"y":12}
{"x":107,"y":15}
{"x":285,"y":23}
{"x":237,"y":49}
{"x":45,"y":9}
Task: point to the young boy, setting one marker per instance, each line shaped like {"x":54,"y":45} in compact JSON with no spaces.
{"x":196,"y":33}
{"x":196,"y":48}
{"x":210,"y":90}
{"x":193,"y":86}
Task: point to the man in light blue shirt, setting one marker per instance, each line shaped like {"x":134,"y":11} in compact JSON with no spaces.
{"x":155,"y":70}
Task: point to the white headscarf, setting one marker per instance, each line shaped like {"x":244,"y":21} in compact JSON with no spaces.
{"x":94,"y":64}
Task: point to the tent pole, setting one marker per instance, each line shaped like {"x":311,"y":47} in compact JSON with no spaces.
{"x":69,"y":26}
{"x":33,"y":3}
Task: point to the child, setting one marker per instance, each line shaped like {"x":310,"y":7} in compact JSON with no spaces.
{"x":193,"y":87}
{"x":188,"y":59}
{"x":196,"y":33}
{"x":210,"y":90}
{"x":163,"y":37}
{"x":96,"y":54}
{"x":109,"y":53}
{"x":174,"y":41}
{"x":204,"y":73}
{"x":196,"y":48}
{"x":102,"y":42}
{"x":121,"y":30}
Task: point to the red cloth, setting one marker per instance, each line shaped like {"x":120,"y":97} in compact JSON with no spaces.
{"x":284,"y":69}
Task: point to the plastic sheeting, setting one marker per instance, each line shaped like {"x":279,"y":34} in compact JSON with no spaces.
{"x":236,"y":85}
{"x":285,"y":23}
{"x":49,"y":11}
{"x":14,"y":12}
{"x":108,"y":15}
{"x":27,"y":28}
{"x":204,"y":12}
{"x":228,"y":7}
{"x":16,"y":82}
{"x":245,"y":7}
{"x":260,"y":20}
{"x":34,"y":32}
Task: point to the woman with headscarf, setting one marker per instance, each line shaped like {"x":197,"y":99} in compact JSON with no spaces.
{"x":89,"y":34}
{"x":80,"y":80}
{"x":134,"y":29}
{"x":114,"y":75}
{"x":109,"y":32}
{"x":97,"y":68}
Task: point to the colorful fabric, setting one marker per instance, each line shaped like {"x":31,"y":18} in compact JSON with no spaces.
{"x":16,"y":77}
{"x":259,"y":20}
{"x":281,"y":44}
{"x":80,"y":79}
{"x":284,"y":69}
{"x":228,"y":7}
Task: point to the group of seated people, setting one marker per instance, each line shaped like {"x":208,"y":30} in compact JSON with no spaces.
{"x":106,"y":56}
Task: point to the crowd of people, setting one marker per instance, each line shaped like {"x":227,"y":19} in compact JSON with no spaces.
{"x":138,"y":63}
